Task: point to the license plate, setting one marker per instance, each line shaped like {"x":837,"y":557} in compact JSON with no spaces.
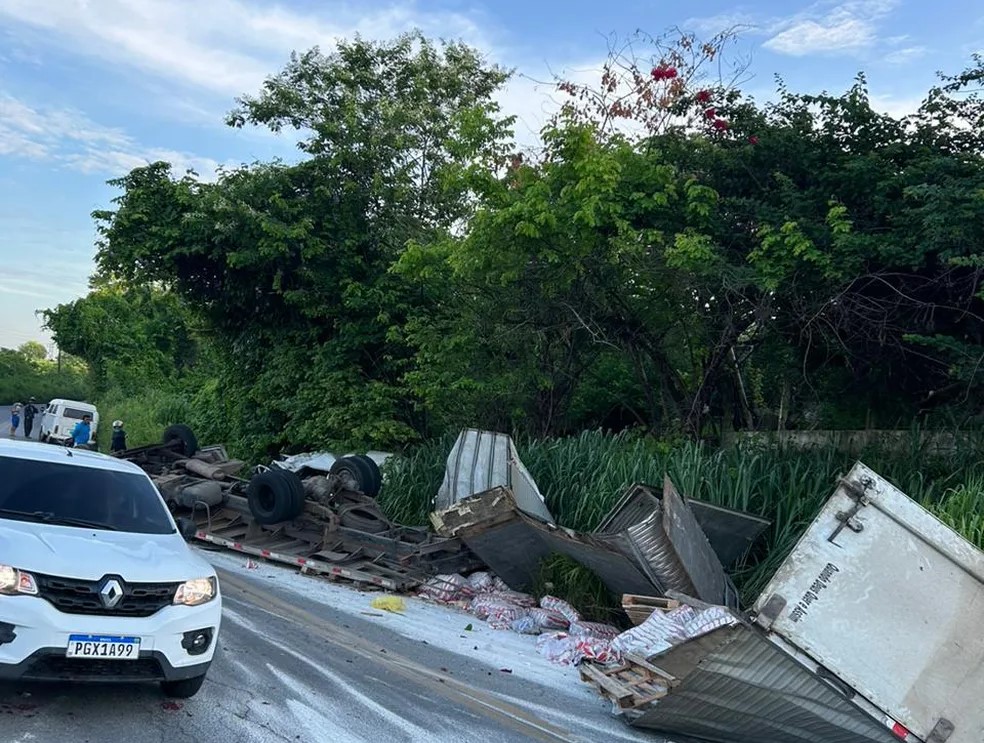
{"x":103,"y":647}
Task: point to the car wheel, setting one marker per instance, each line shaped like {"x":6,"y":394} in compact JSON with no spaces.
{"x":355,"y":475}
{"x":181,"y":433}
{"x":273,"y":497}
{"x":183,"y":689}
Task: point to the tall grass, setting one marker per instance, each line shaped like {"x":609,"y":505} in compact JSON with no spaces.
{"x":144,"y":417}
{"x":582,"y":477}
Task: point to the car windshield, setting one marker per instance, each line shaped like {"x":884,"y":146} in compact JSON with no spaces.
{"x":70,"y":495}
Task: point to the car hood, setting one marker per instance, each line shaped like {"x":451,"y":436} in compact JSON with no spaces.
{"x":89,"y":554}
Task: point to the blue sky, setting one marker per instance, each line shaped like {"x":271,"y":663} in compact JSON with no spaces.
{"x":92,"y":88}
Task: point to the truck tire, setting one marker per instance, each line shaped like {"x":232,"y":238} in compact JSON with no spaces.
{"x":181,"y":432}
{"x":374,"y":469}
{"x":356,"y":475}
{"x":364,"y":518}
{"x":273,"y":498}
{"x":297,"y":490}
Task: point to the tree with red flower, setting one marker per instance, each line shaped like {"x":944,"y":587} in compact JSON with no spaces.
{"x":664,"y":72}
{"x":710,"y":113}
{"x":703,"y":96}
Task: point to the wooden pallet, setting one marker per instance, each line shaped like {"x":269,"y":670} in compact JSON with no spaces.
{"x":634,"y":683}
{"x":639,"y":608}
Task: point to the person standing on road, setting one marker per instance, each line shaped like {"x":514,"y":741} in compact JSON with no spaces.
{"x":30,"y":411}
{"x":82,"y":431}
{"x":118,"y":442}
{"x":14,"y":420}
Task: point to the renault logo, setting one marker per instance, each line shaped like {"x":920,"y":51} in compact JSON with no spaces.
{"x":110,"y":593}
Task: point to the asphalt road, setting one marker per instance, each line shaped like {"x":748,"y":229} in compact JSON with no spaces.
{"x":290,"y":669}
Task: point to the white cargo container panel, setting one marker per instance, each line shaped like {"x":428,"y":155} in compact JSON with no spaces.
{"x":890,"y":601}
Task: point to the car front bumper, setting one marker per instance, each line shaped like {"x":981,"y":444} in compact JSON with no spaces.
{"x":50,"y":664}
{"x":34,"y":637}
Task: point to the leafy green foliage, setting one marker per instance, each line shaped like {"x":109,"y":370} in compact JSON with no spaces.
{"x":129,"y":336}
{"x":27,"y":372}
{"x":289,"y":265}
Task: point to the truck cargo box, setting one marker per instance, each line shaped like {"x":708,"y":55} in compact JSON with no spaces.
{"x":890,"y":602}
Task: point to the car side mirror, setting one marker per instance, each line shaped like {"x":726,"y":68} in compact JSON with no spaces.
{"x":186,"y":527}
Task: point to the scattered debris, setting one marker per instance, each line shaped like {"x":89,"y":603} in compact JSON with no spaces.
{"x":669,"y":545}
{"x":319,"y":523}
{"x":512,"y":544}
{"x":730,"y":533}
{"x":393,"y":604}
{"x":639,"y":608}
{"x":482,"y":460}
{"x":834,"y":650}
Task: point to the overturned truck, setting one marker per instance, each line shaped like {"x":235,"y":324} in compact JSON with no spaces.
{"x":320,"y":517}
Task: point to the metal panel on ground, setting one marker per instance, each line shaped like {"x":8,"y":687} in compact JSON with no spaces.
{"x":729,"y":532}
{"x":513,"y":545}
{"x":734,"y":686}
{"x":668,"y":544}
{"x":482,"y":460}
{"x":890,"y":599}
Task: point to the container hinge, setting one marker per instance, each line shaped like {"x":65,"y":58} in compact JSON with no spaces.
{"x":859,"y":493}
{"x":941,"y":732}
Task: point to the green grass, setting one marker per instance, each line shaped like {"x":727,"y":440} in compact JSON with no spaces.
{"x":144,"y":417}
{"x":582,"y":477}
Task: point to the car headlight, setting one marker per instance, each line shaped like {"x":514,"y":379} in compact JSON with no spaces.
{"x":14,"y":581}
{"x":196,"y":591}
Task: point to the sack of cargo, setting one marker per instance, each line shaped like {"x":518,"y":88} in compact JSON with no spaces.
{"x":565,"y":649}
{"x":446,"y":588}
{"x":549,"y":619}
{"x":526,"y":625}
{"x":594,"y":630}
{"x":561,"y":607}
{"x":513,"y":597}
{"x":481,"y":582}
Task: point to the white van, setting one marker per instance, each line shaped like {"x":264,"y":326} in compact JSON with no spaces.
{"x":60,"y":417}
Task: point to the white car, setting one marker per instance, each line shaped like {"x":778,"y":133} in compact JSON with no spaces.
{"x":96,"y":581}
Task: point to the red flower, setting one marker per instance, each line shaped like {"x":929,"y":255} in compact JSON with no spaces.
{"x":703,"y":96}
{"x":753,"y":139}
{"x":710,"y":113}
{"x":663,"y":72}
{"x":720,"y":124}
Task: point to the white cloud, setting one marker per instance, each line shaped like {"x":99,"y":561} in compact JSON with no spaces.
{"x":825,"y":27}
{"x":828,"y":36}
{"x":67,"y":137}
{"x":712,"y":25}
{"x":221,"y":46}
{"x":847,"y":27}
{"x":905,"y":55}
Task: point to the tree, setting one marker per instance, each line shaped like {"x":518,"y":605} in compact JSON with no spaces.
{"x":34,"y":352}
{"x":712,"y":244}
{"x":289,"y":264}
{"x":129,"y":336}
